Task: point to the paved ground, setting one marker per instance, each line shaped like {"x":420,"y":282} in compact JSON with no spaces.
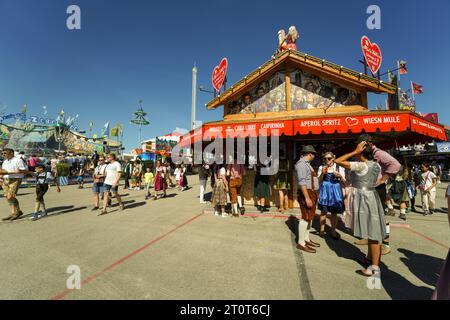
{"x":175,"y":248}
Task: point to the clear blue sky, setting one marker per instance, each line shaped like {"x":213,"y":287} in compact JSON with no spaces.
{"x":136,"y":49}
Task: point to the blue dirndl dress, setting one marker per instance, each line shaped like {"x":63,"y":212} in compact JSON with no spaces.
{"x":330,"y":196}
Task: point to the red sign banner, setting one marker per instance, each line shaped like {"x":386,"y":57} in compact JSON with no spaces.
{"x":219,"y":74}
{"x":250,"y":129}
{"x":372,"y":53}
{"x":355,"y":124}
{"x":428,"y":128}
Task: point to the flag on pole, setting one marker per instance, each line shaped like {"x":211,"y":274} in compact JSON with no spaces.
{"x":417,"y":88}
{"x":402,"y":67}
{"x":91,"y":124}
{"x":115,"y":132}
{"x":24,"y":109}
{"x":105,"y":129}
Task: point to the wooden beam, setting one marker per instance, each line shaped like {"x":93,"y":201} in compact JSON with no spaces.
{"x":288,"y":89}
{"x":291,"y":175}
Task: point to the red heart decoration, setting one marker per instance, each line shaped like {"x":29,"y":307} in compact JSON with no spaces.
{"x":372,"y":53}
{"x":351,"y":121}
{"x":219,"y":73}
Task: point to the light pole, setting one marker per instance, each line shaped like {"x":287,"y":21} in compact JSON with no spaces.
{"x":140,"y":120}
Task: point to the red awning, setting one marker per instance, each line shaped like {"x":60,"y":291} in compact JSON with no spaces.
{"x":369,"y":123}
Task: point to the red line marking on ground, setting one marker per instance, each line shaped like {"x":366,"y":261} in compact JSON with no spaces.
{"x":428,"y":238}
{"x":122,"y":260}
{"x":267,"y":215}
{"x":399,"y":226}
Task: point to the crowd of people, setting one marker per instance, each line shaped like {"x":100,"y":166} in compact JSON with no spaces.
{"x":106,"y":172}
{"x":363,"y":186}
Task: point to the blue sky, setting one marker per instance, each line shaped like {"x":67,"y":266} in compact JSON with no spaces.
{"x":136,"y":49}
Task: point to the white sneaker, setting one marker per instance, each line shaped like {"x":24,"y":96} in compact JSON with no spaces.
{"x":216,"y":213}
{"x":225,"y":215}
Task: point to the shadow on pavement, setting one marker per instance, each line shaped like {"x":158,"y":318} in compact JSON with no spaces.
{"x":424,"y":267}
{"x":399,"y":288}
{"x":135,"y":205}
{"x":292,"y":224}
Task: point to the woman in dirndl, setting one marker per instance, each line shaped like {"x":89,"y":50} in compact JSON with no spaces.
{"x":282,"y":184}
{"x":331,"y":199}
{"x":262,"y":187}
{"x":368,"y":212}
{"x":160,"y":181}
{"x":220,"y":190}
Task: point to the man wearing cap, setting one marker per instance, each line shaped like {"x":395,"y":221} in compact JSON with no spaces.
{"x":389,"y":168}
{"x":308,"y":186}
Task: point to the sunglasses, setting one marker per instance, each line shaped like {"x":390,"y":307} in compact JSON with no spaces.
{"x":328,"y":158}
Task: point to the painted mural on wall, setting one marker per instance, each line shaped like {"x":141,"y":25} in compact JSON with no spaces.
{"x":25,"y":139}
{"x":267,"y":96}
{"x":311,"y":92}
{"x":307,"y":92}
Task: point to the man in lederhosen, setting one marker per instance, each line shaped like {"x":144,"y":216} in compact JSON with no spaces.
{"x":308,"y":186}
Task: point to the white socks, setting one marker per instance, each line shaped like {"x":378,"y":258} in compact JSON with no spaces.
{"x":307,"y":232}
{"x":239,"y":199}
{"x":303,"y":232}
{"x":235,"y":208}
{"x":390,"y":206}
{"x":402,"y":211}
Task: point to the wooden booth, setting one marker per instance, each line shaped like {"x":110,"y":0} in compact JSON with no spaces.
{"x":307,"y":100}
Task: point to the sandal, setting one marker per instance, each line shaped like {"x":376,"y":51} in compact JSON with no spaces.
{"x":370,"y":271}
{"x":103,"y":213}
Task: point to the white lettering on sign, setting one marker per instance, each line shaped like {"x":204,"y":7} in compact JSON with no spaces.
{"x":272,"y":125}
{"x":321,"y":123}
{"x":429,"y":126}
{"x":310,"y":123}
{"x":382,"y":120}
{"x":331,"y":122}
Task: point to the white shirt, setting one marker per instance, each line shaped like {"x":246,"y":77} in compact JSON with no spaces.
{"x":428,"y":179}
{"x":12,"y":165}
{"x":112,"y":172}
{"x":333,"y":167}
{"x":222,"y":173}
{"x":177,"y":173}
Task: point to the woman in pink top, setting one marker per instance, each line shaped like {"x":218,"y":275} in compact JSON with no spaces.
{"x":236,"y":172}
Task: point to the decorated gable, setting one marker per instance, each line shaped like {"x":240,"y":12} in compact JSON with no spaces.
{"x":312,"y":92}
{"x":267,"y":96}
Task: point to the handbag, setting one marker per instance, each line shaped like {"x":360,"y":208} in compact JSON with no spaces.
{"x":424,"y":182}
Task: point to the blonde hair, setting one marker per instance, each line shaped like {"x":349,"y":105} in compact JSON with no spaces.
{"x":329,"y":154}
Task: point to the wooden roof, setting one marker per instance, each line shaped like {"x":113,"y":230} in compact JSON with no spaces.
{"x":319,"y":66}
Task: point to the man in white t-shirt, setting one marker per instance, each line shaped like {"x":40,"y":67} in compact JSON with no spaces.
{"x":427,"y":188}
{"x":113,"y":173}
{"x":13,"y":170}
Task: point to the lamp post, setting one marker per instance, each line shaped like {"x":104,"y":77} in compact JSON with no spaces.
{"x":140,"y":120}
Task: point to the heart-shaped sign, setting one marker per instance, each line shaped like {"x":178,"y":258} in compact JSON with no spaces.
{"x":219,"y":73}
{"x":372,"y":53}
{"x":351,"y":121}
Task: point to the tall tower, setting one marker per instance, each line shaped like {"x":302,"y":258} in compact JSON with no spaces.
{"x":194,"y":96}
